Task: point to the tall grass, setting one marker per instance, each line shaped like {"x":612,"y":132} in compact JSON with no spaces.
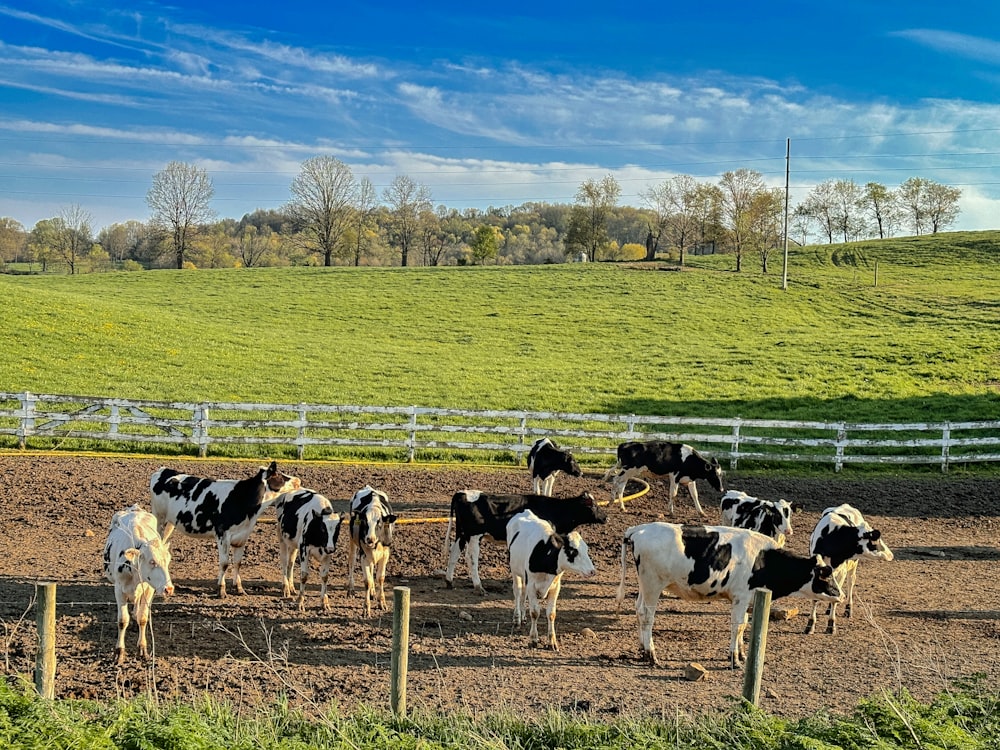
{"x":922,"y":345}
{"x":967,"y":718}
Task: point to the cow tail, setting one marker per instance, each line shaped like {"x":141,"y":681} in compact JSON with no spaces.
{"x":620,"y":594}
{"x":447,"y":537}
{"x":613,"y":471}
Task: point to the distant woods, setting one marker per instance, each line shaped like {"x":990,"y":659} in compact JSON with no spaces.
{"x":334,"y":218}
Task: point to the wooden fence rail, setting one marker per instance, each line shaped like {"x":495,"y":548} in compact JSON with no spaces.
{"x":413,"y":432}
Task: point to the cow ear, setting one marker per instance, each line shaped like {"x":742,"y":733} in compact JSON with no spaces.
{"x":132,"y":555}
{"x":558,"y":541}
{"x":825,"y":572}
{"x":273,"y":468}
{"x":874,"y":535}
{"x":391,"y":518}
{"x":588,"y":499}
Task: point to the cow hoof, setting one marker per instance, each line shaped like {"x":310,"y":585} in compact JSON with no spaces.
{"x":831,"y":629}
{"x":449,"y":584}
{"x":480,"y":590}
{"x":810,"y":629}
{"x":119,"y":656}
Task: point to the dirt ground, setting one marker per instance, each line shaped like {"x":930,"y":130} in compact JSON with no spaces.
{"x":921,"y":621}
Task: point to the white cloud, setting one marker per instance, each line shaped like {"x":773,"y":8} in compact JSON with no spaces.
{"x":952,"y":43}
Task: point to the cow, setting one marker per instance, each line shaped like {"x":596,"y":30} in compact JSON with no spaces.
{"x":772,"y":518}
{"x":538,"y":558}
{"x":307,"y":528}
{"x":475,"y":514}
{"x":678,"y":462}
{"x":716,"y":562}
{"x":225,"y":509}
{"x":137,"y":562}
{"x":842,"y":537}
{"x":371,"y":526}
{"x":546,"y":461}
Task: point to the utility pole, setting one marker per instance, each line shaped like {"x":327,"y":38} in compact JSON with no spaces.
{"x":784,"y":265}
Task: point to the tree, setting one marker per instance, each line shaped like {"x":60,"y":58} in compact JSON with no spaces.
{"x":485,"y":243}
{"x":941,"y":205}
{"x":324,"y":192}
{"x":706,"y":206}
{"x":253,"y":245}
{"x":13,"y":240}
{"x":407,"y":200}
{"x":913,"y":203}
{"x":820,"y":204}
{"x":880,"y":203}
{"x":123,"y":241}
{"x":847,"y":210}
{"x":739,"y":191}
{"x":73,"y":238}
{"x":180,"y":200}
{"x":588,"y":229}
{"x":365,"y":203}
{"x":764,"y":223}
{"x":674,"y":203}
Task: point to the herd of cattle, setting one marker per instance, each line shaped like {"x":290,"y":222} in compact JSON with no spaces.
{"x":694,"y":562}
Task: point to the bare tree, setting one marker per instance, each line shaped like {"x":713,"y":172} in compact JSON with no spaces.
{"x":764,"y":223}
{"x":322,"y":204}
{"x":847,"y":213}
{"x":252,"y":244}
{"x":180,"y":200}
{"x":881,"y":205}
{"x":821,"y":205}
{"x":739,"y":191}
{"x":365,"y":203}
{"x":941,"y":204}
{"x":75,"y":237}
{"x":406,"y":200}
{"x":914,"y":203}
{"x":675,"y":204}
{"x":588,"y":222}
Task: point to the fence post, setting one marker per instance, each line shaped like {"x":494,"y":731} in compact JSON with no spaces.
{"x":27,"y":426}
{"x":841,"y":441}
{"x":758,"y":645}
{"x":400,"y":649}
{"x":201,"y":429}
{"x":945,"y":446}
{"x":45,"y":660}
{"x":413,"y":434}
{"x":735,"y":447}
{"x":302,"y":431}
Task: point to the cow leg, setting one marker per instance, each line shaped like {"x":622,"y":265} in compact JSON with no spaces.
{"x":519,"y":594}
{"x":811,"y":624}
{"x":831,"y":621}
{"x":123,"y":620}
{"x":534,"y":611}
{"x":238,"y":550}
{"x":381,"y":560}
{"x":324,"y":573}
{"x":472,"y":557}
{"x":223,"y":566}
{"x":645,"y":610}
{"x":692,"y":489}
{"x":143,"y":613}
{"x":288,"y":554}
{"x":548,"y":484}
{"x":457,"y":547}
{"x":849,"y":581}
{"x":671,"y":491}
{"x":303,"y":577}
{"x":368,"y":567}
{"x":737,"y":650}
{"x":536,"y":485}
{"x":552,"y":596}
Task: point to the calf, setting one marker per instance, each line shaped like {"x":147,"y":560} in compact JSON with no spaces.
{"x":843,"y":537}
{"x":546,"y":461}
{"x":538,"y":558}
{"x":772,"y":518}
{"x":226,"y":509}
{"x":137,"y":562}
{"x":307,"y":528}
{"x":371,"y":527}
{"x":679,"y":463}
{"x":475,"y":514}
{"x":706,"y":562}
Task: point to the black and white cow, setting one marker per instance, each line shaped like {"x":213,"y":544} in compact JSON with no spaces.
{"x":842,"y":537}
{"x":137,"y":562}
{"x":546,"y":461}
{"x":538,"y":558}
{"x":772,"y":518}
{"x":476,"y":514}
{"x":307,"y":528}
{"x":678,"y":462}
{"x":371,"y":526}
{"x":225,"y":509}
{"x":716,"y":562}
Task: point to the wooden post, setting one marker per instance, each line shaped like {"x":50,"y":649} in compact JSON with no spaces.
{"x":400,"y":648}
{"x":45,"y":661}
{"x":876,"y":273}
{"x":758,"y":645}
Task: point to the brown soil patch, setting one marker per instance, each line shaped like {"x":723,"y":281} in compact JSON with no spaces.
{"x":928,"y":617}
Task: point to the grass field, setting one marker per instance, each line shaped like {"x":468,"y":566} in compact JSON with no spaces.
{"x":922,"y":345}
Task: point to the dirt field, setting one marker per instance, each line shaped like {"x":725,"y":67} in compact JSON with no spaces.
{"x":928,"y":617}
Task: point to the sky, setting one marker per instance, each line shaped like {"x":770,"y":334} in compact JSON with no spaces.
{"x":492,"y":104}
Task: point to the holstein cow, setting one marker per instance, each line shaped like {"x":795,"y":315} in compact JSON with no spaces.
{"x":716,"y":562}
{"x":679,"y":463}
{"x":225,"y":509}
{"x":137,"y":562}
{"x":371,"y":526}
{"x":546,"y":461}
{"x":307,"y":528}
{"x":843,"y":537}
{"x":475,"y":514}
{"x":772,"y":518}
{"x":538,"y":558}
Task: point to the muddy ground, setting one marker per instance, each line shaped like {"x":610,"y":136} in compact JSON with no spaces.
{"x":921,"y":621}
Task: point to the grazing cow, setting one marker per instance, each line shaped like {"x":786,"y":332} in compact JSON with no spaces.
{"x":307,"y":528}
{"x":772,"y":518}
{"x":137,"y":562}
{"x":538,"y":558}
{"x":371,"y":526}
{"x":475,"y":514}
{"x":679,"y":463}
{"x":842,"y":537}
{"x":708,"y":562}
{"x":226,"y":509}
{"x":546,"y":461}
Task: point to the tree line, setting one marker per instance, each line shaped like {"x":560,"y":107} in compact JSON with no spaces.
{"x":334,"y":218}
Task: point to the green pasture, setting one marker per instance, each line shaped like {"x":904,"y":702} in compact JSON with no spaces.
{"x":922,"y":345}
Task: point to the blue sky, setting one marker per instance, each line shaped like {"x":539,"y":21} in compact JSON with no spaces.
{"x":490,"y":104}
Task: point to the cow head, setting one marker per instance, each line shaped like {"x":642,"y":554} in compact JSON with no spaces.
{"x":279,"y":482}
{"x":372,"y":516}
{"x":575,"y":556}
{"x":593,"y":510}
{"x":713,"y":474}
{"x":152,"y":561}
{"x":872,"y":546}
{"x":824,"y":586}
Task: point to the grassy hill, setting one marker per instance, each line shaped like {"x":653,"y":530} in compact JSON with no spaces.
{"x":923,"y":344}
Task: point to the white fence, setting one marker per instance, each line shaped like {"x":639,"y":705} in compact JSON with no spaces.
{"x":419,"y":433}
